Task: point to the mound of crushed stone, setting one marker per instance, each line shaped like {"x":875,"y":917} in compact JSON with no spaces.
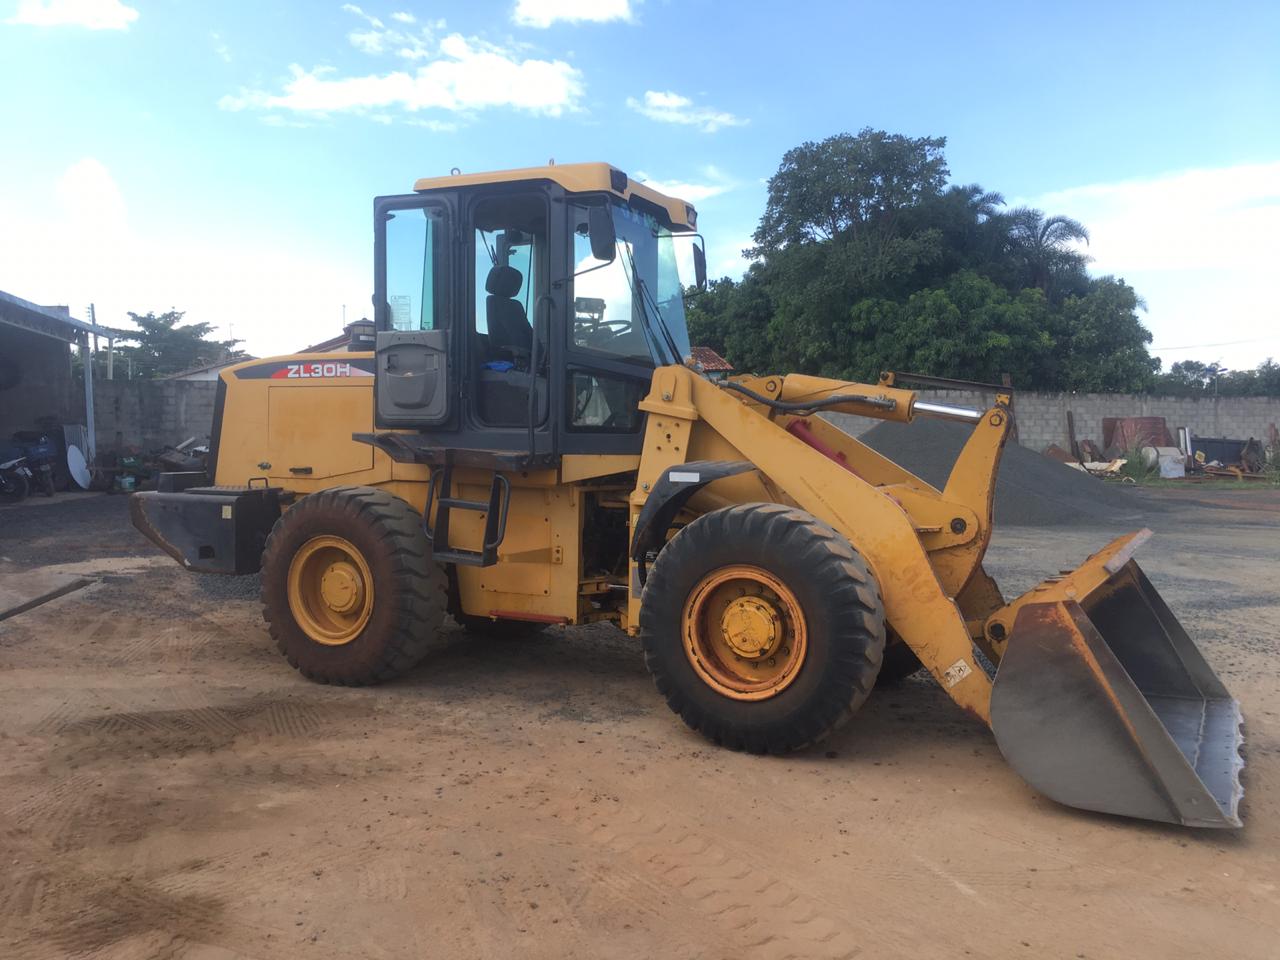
{"x":1031,"y":490}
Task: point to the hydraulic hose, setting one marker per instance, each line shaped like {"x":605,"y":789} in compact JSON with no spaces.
{"x":804,"y":409}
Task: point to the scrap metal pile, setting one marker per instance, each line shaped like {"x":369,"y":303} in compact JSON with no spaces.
{"x":1186,"y":457}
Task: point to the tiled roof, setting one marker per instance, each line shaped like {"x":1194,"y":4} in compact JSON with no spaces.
{"x":710,"y":360}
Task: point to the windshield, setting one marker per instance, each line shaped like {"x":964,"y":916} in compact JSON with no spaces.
{"x":634,"y":306}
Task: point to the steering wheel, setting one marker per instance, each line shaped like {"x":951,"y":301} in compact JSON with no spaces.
{"x":582,"y":399}
{"x":606,"y":332}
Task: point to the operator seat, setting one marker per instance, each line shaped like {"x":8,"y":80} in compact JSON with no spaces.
{"x":509,"y":326}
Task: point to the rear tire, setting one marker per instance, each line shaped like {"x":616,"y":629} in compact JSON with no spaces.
{"x":900,"y":662}
{"x":737,"y":595}
{"x":350,"y":591}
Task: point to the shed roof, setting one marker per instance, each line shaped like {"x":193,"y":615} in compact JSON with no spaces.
{"x":55,"y":322}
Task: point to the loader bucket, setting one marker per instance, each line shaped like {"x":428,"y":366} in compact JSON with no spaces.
{"x":1101,"y":700}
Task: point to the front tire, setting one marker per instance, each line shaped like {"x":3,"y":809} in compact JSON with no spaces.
{"x":15,"y":488}
{"x":762,"y":627}
{"x":350,"y":591}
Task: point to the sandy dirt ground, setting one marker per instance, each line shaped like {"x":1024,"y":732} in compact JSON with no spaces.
{"x":169,"y":787}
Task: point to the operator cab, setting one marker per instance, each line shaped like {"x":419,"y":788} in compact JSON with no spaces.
{"x":520,"y":315}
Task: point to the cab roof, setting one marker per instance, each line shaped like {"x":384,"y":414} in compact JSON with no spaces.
{"x":575,"y":178}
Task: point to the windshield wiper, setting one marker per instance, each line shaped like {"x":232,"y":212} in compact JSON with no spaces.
{"x":653,"y":316}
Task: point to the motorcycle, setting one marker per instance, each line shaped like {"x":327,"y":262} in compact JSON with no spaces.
{"x":15,"y":480}
{"x":41,"y":456}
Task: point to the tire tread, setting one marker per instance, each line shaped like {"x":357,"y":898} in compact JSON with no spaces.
{"x":851,"y":599}
{"x":418,"y":586}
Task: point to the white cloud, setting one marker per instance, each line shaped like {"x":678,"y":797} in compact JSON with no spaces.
{"x":435,"y":126}
{"x":72,"y":239}
{"x":464,"y":74}
{"x":714,"y":184}
{"x":369,"y":19}
{"x":367,"y":41}
{"x":669,"y":107}
{"x":377,"y":38}
{"x":543,"y":13}
{"x":220,"y":47}
{"x":1199,"y":246}
{"x":90,"y":14}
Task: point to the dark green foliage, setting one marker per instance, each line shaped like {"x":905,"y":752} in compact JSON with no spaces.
{"x":867,"y":260}
{"x":1193,"y":378}
{"x":162,"y":347}
{"x":969,"y":324}
{"x":847,"y":184}
{"x":1100,"y":344}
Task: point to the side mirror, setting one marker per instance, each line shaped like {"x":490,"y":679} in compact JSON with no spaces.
{"x":700,"y":266}
{"x":604,"y":240}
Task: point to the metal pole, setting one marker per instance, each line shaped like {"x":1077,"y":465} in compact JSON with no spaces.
{"x":111,"y":358}
{"x":91,"y":440}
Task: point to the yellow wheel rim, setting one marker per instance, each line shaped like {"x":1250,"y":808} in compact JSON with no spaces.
{"x":330,"y":590}
{"x":744,"y":632}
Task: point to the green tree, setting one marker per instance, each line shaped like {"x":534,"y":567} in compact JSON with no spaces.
{"x":848,"y":183}
{"x":162,"y":347}
{"x":734,"y":320}
{"x":970,"y":328}
{"x":1043,"y":247}
{"x":866,"y":259}
{"x":1189,"y":377}
{"x":1194,"y":378}
{"x":1101,"y":344}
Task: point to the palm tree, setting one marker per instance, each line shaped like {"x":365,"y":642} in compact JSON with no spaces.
{"x":984,"y":233}
{"x":1044,"y":246}
{"x":984,"y":204}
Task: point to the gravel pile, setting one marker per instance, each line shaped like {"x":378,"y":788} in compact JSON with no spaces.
{"x":1031,"y":490}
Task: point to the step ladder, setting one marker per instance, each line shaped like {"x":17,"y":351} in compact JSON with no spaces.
{"x":440,"y":493}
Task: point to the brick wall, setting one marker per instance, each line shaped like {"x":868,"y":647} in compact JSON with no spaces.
{"x":151,"y":413}
{"x":1042,"y":417}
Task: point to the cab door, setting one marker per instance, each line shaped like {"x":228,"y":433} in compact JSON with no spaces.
{"x":413,"y":311}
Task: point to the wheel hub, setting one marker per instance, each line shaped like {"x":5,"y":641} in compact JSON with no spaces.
{"x":750,"y":626}
{"x":331,"y":590}
{"x":744,"y":632}
{"x":340,"y":587}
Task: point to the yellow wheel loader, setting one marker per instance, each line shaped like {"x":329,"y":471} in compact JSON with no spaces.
{"x":528,"y":442}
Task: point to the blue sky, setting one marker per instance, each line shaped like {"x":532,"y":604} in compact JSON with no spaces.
{"x":221,"y":157}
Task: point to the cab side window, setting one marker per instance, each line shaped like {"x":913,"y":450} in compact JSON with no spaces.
{"x":415,"y":267}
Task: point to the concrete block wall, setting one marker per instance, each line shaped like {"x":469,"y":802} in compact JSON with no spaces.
{"x":151,"y":413}
{"x":147,"y":414}
{"x":1042,"y":417}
